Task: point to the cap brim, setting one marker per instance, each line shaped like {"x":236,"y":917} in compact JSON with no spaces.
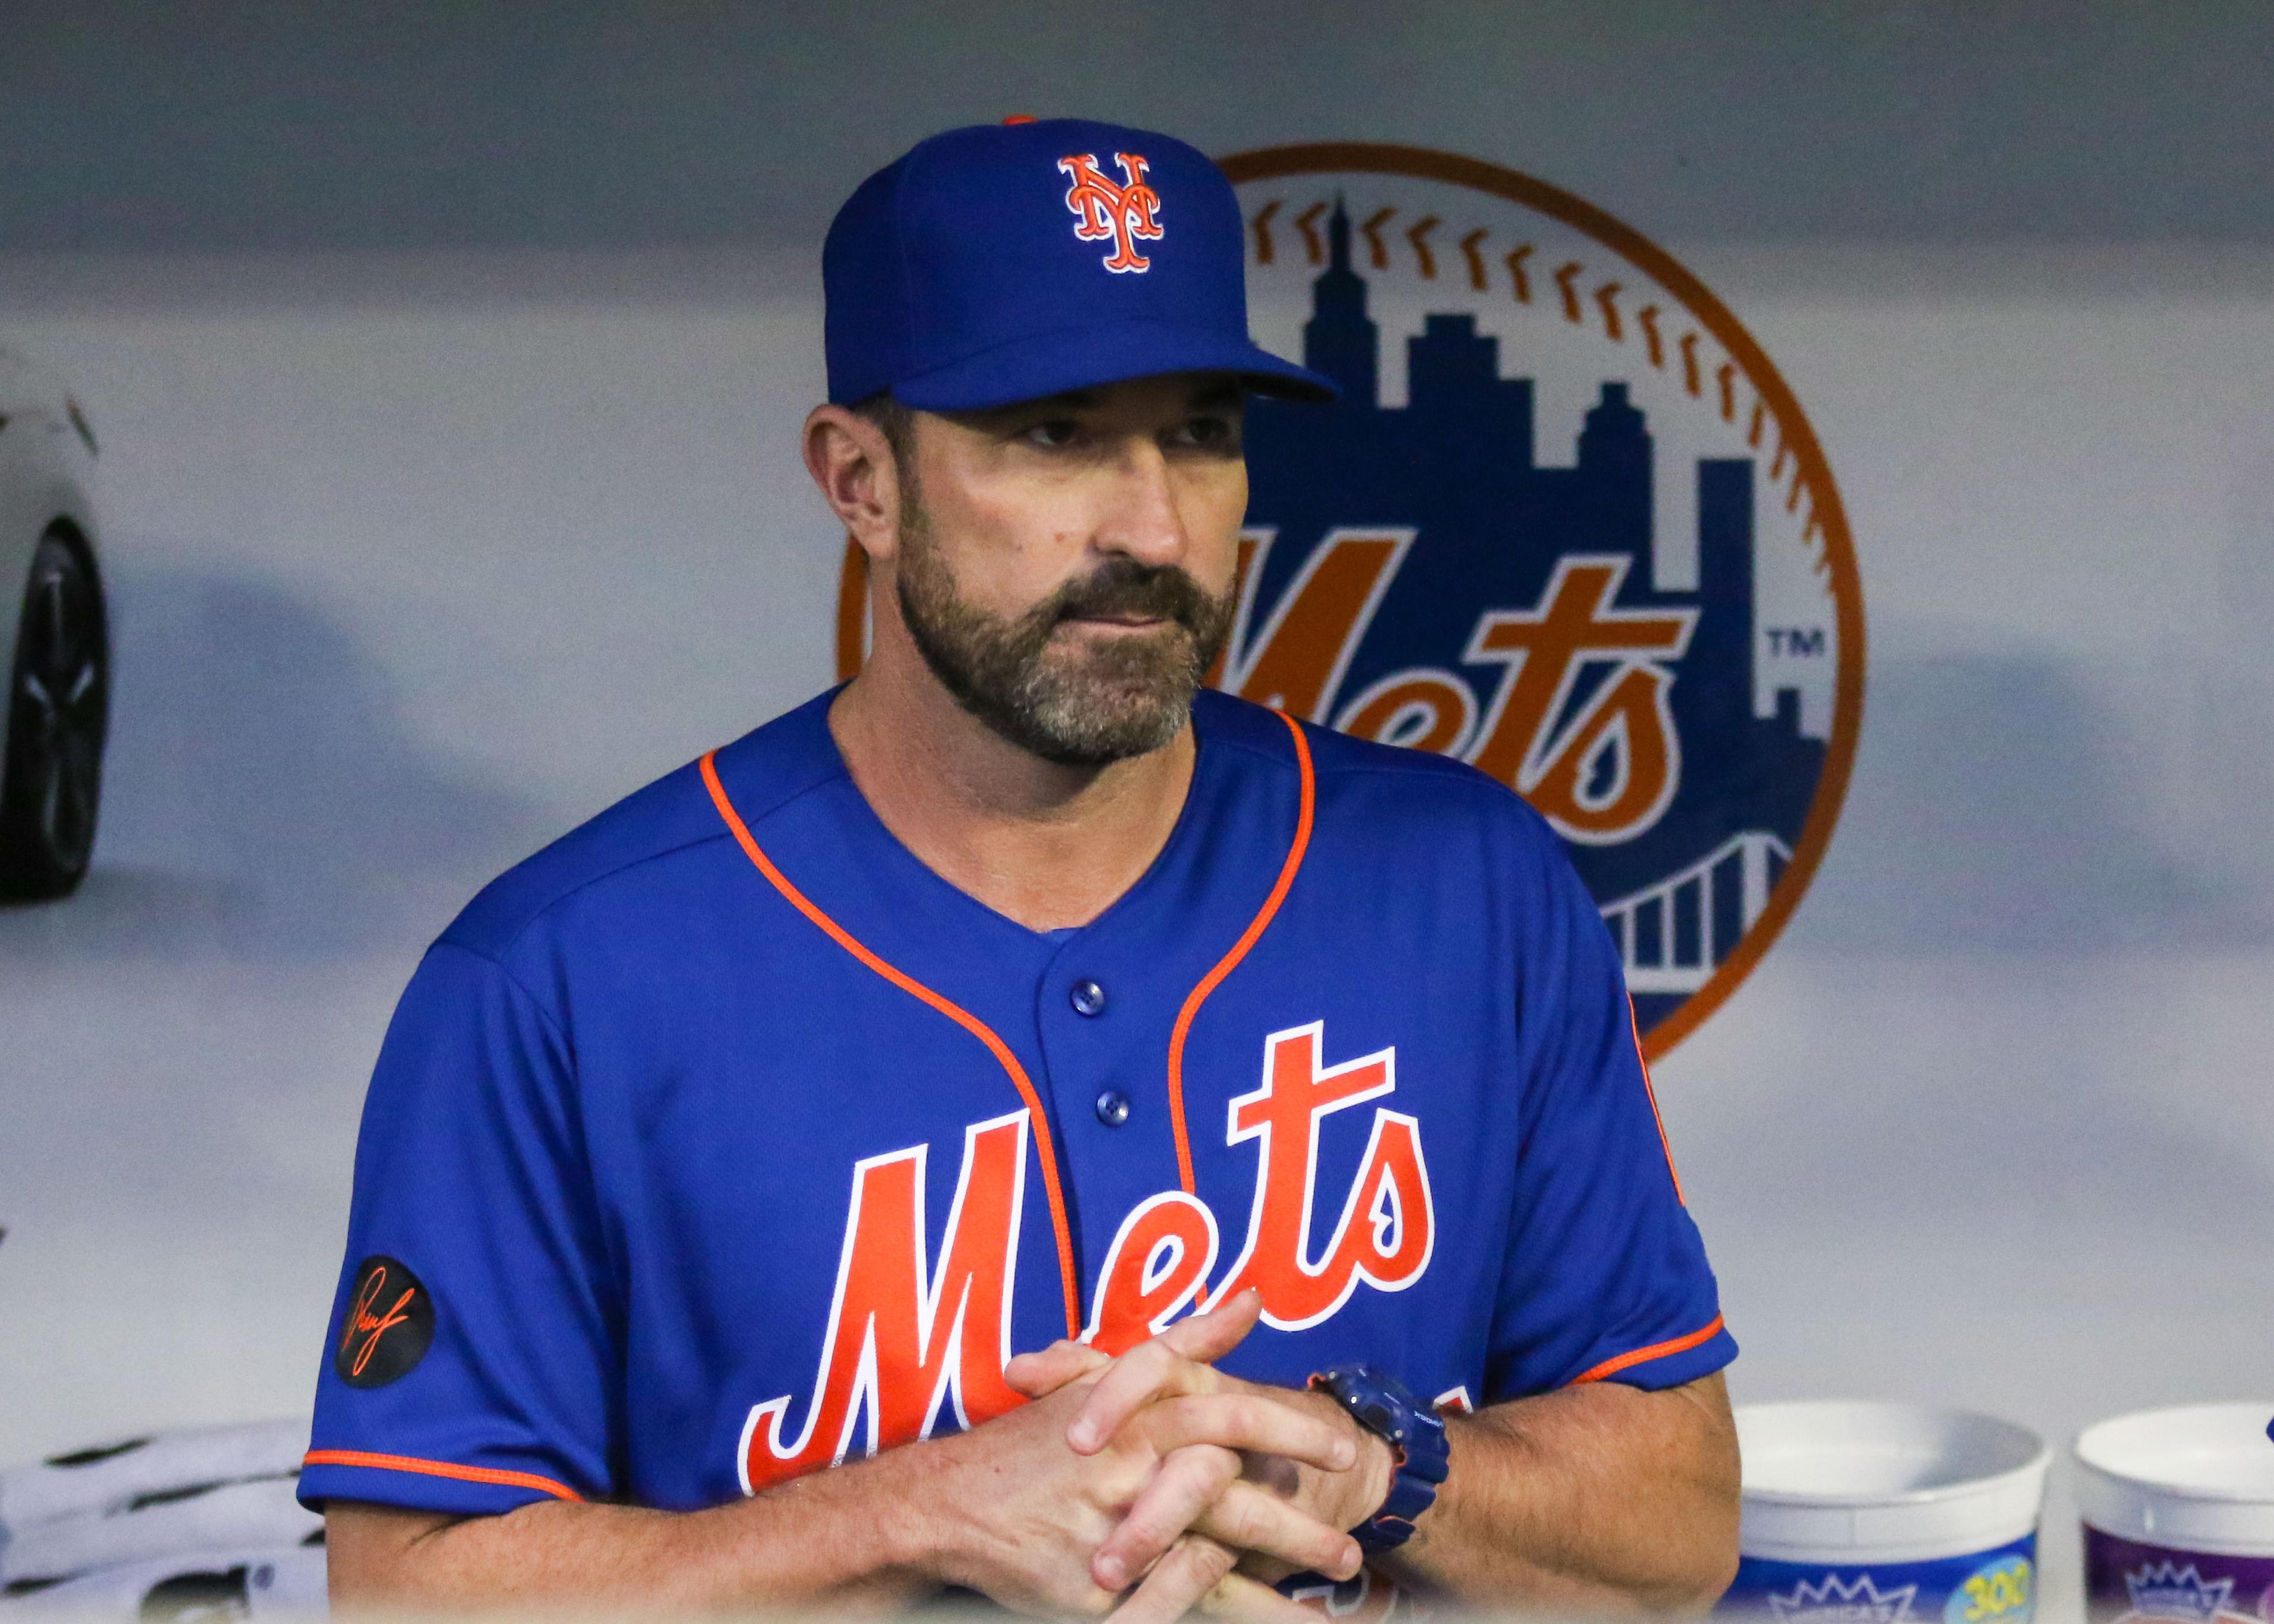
{"x":1059,"y":362}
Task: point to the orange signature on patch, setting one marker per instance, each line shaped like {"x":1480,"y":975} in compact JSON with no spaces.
{"x":360,"y":1320}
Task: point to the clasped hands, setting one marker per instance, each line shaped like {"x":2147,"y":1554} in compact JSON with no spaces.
{"x":1151,"y":1485}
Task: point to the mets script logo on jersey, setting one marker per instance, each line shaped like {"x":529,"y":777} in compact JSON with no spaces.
{"x":907,"y":1336}
{"x":1567,"y":524}
{"x":1104,"y":212}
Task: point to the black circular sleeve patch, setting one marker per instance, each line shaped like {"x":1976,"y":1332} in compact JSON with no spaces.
{"x":388,"y":1323}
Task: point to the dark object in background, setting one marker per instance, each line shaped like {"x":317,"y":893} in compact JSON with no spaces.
{"x":170,"y":1526}
{"x":58,"y":708}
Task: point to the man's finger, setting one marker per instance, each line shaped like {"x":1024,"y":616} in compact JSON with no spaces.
{"x":1208,"y":1338}
{"x":1033,"y":1375}
{"x":1195,"y":1566}
{"x":1167,"y":1363}
{"x":1250,"y":1418}
{"x":1251,"y":1601}
{"x":1249,"y":1519}
{"x":1204,"y":1499}
{"x":1148,"y":1371}
{"x":1187,"y":1484}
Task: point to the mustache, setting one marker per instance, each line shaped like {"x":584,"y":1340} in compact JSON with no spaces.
{"x":1125,"y":589}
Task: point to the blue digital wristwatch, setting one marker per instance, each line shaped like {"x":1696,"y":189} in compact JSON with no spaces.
{"x":1382,"y":1406}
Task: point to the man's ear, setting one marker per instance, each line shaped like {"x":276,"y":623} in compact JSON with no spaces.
{"x":852,"y":462}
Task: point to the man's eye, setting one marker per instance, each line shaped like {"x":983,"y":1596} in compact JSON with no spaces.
{"x":1058,"y":431}
{"x":1209,"y":433}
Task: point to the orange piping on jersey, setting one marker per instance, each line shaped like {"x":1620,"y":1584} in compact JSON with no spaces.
{"x":1635,"y":1026}
{"x":1231,"y":961}
{"x":439,"y":1469}
{"x":1643,"y":1356}
{"x":954,"y":1012}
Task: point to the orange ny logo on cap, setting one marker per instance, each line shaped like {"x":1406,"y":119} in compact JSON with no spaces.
{"x":1105,"y":212}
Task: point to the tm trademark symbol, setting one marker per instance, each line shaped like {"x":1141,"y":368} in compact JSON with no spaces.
{"x":1801,"y":642}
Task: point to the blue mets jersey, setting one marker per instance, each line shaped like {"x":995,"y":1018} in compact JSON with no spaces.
{"x":723,"y":1140}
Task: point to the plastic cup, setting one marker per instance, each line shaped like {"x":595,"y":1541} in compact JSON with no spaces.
{"x":2179,"y":1515}
{"x":1886,"y":1513}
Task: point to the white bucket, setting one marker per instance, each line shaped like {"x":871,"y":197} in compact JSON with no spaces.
{"x":1887,"y":1512}
{"x":2179,"y":1513}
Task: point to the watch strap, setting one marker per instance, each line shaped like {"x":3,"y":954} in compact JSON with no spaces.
{"x":1416,"y":1437}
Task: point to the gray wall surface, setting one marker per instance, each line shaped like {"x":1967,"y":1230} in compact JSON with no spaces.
{"x":448,"y":364}
{"x":511,"y":123}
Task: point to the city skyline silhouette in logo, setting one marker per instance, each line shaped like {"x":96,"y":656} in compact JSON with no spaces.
{"x":1416,"y":573}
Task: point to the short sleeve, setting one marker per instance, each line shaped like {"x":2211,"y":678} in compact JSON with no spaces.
{"x":1605,"y":1277}
{"x":472,"y":1363}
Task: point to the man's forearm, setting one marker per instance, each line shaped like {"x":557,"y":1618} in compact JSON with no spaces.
{"x":1589,"y":1498}
{"x":1596,"y":1497}
{"x":1008,"y":1508}
{"x":854,"y":1538}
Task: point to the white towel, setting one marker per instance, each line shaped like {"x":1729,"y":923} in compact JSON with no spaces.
{"x":251,"y":1514}
{"x":206,"y":1584}
{"x":110,"y":1477}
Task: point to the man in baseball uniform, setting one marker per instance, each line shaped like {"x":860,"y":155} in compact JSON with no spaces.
{"x":1019,"y":1123}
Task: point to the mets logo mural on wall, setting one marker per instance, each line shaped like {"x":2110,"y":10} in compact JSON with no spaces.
{"x":1566,"y":522}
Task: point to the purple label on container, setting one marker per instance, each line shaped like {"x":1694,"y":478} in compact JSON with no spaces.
{"x":2125,"y":1580}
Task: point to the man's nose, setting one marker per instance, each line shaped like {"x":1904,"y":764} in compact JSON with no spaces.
{"x":1141,"y":519}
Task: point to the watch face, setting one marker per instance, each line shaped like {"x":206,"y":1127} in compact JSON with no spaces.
{"x":1397,"y":1389}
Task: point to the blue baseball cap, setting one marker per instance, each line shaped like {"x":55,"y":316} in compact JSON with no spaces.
{"x":1006,"y":262}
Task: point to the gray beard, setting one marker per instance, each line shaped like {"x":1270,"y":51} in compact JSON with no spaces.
{"x":1077,"y":707}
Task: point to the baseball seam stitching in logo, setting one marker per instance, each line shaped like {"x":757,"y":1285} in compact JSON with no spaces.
{"x":1824,"y":530}
{"x":1604,"y":296}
